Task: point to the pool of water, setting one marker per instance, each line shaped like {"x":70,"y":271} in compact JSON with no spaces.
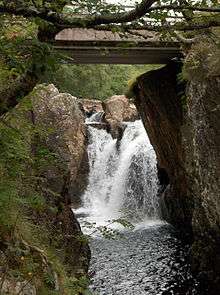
{"x":149,"y":260}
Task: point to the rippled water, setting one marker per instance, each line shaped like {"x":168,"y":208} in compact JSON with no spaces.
{"x":150,"y":261}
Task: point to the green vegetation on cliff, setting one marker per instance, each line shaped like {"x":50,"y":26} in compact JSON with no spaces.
{"x":33,"y":245}
{"x":23,"y":59}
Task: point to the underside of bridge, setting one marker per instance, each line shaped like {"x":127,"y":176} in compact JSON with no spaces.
{"x":92,"y":47}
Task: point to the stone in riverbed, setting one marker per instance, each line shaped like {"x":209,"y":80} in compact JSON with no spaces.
{"x":91,"y":106}
{"x":117,"y":110}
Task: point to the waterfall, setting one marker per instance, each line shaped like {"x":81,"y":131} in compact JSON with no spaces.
{"x":123,"y":178}
{"x":123,"y":182}
{"x":96,"y":117}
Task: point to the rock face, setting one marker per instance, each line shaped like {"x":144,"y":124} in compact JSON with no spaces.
{"x":91,"y":106}
{"x":51,"y":137}
{"x":160,"y":108}
{"x":60,"y":113}
{"x":118,"y":109}
{"x":204,"y":117}
{"x":184,"y":130}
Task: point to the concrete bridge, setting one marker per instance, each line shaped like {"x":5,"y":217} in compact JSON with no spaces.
{"x":88,"y":46}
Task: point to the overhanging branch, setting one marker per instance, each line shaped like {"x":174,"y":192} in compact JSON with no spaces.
{"x":62,"y":20}
{"x":184,"y":7}
{"x":146,"y":6}
{"x":160,"y":28}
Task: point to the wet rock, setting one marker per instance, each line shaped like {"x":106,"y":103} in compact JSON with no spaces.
{"x":91,"y":106}
{"x":98,"y":125}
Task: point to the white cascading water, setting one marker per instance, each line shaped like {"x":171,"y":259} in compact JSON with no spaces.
{"x":123,"y":178}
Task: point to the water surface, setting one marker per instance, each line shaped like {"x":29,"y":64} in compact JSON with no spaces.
{"x":147,"y":261}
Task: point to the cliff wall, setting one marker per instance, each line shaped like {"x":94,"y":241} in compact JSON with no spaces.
{"x":182,"y":119}
{"x":43,"y":170}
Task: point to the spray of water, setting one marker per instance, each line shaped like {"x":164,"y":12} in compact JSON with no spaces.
{"x":123,"y":179}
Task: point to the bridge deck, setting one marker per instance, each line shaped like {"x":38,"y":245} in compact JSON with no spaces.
{"x":90,"y":48}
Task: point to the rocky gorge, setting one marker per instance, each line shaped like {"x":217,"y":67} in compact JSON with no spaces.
{"x":53,"y":144}
{"x":182,"y":120}
{"x":179,"y":108}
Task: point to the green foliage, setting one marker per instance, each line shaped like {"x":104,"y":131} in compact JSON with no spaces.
{"x":29,"y":254}
{"x":203,"y":60}
{"x":36,"y":202}
{"x":94,"y":81}
{"x":78,"y":286}
{"x":106,"y":231}
{"x":17,"y":35}
{"x":23,"y":58}
{"x":14,"y":159}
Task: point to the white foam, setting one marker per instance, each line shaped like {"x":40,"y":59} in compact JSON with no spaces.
{"x":122,"y":182}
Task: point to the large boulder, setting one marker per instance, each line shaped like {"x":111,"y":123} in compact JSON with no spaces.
{"x":183,"y":123}
{"x":91,"y":106}
{"x":61,"y":115}
{"x":58,"y":114}
{"x":45,"y":164}
{"x":117,"y":110}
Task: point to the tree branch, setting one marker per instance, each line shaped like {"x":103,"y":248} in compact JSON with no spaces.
{"x":14,"y":89}
{"x":187,"y":14}
{"x":159,"y":28}
{"x":64,"y":21}
{"x":184,"y":40}
{"x":184,"y":7}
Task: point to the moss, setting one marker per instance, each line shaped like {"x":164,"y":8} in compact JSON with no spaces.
{"x":130,"y":90}
{"x":203,"y":60}
{"x":28,"y":215}
{"x":4,"y":73}
{"x":132,"y":83}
